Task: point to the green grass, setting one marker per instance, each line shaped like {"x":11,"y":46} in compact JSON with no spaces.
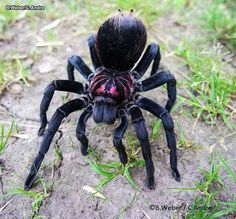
{"x":215,"y":19}
{"x":51,"y":35}
{"x":129,"y":205}
{"x":149,"y":11}
{"x":7,"y":18}
{"x":5,"y":137}
{"x":218,"y":17}
{"x":37,"y":196}
{"x":3,"y":71}
{"x":155,"y":127}
{"x":183,"y":143}
{"x":111,"y":169}
{"x":13,"y":71}
{"x":208,"y":87}
{"x":209,"y":204}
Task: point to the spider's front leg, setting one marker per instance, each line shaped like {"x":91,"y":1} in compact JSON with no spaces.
{"x":118,"y":135}
{"x":168,"y":124}
{"x":157,"y":80}
{"x":76,"y":62}
{"x":142,"y":134}
{"x":93,"y":53}
{"x":57,"y":85}
{"x":53,"y":126}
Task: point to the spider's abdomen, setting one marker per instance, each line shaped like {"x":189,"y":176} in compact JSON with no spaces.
{"x":109,"y":89}
{"x":120,"y":42}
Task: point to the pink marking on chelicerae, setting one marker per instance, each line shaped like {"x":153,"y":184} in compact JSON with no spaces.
{"x":100,"y":89}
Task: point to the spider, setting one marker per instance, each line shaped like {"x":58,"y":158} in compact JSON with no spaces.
{"x":112,"y":92}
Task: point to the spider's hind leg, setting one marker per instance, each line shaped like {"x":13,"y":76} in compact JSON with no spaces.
{"x":142,"y":134}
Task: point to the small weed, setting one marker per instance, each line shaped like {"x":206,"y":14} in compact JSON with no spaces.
{"x":208,"y":90}
{"x":58,"y":152}
{"x":95,"y":155}
{"x":110,"y":170}
{"x":184,"y":143}
{"x":219,"y":19}
{"x":3,"y":75}
{"x":13,"y":71}
{"x":4,"y":139}
{"x":7,"y":17}
{"x":129,"y":205}
{"x":51,"y":35}
{"x":131,"y":140}
{"x":156,"y":125}
{"x":23,"y":72}
{"x":209,"y":204}
{"x":38,"y":196}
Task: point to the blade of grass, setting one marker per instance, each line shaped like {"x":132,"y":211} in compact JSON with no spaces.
{"x":3,"y":141}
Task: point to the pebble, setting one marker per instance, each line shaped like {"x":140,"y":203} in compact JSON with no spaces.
{"x":16,"y":88}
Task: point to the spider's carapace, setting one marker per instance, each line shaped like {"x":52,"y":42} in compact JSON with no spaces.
{"x":117,"y":85}
{"x":109,"y":90}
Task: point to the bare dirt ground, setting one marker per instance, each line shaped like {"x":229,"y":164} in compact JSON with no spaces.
{"x":67,"y":198}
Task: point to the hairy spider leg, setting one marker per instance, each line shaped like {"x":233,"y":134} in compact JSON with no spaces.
{"x":168,"y":125}
{"x":142,"y":134}
{"x":157,"y":80}
{"x":118,"y":135}
{"x":59,"y":85}
{"x":152,"y":53}
{"x":59,"y":115}
{"x":76,"y":62}
{"x":80,"y":130}
{"x":93,"y":54}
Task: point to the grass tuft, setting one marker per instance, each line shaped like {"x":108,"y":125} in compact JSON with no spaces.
{"x":38,"y":196}
{"x":12,"y":71}
{"x":209,"y":88}
{"x":4,"y":139}
{"x":219,"y":18}
{"x":209,"y":203}
{"x":112,"y":169}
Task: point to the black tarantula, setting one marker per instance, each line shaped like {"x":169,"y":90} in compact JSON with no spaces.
{"x":112,"y":92}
